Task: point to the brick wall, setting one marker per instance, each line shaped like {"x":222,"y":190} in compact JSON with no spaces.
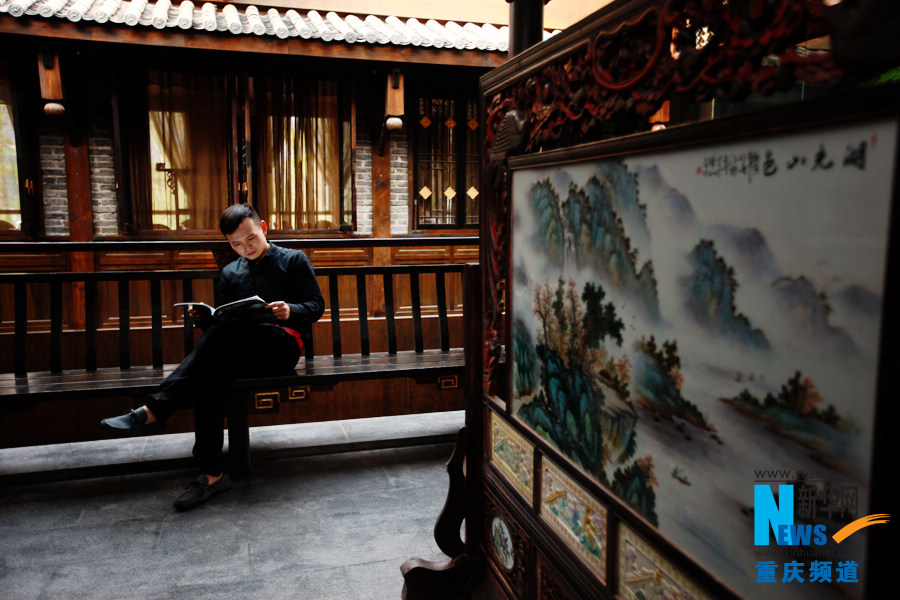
{"x":101,"y":152}
{"x":363,"y":173}
{"x":399,"y":184}
{"x":53,"y":181}
{"x":103,"y":186}
{"x":103,"y":177}
{"x":103,"y":183}
{"x":399,"y":165}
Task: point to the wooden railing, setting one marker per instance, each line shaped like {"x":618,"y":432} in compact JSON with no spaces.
{"x":398,"y":324}
{"x":367,"y":293}
{"x":171,"y":256}
{"x":110,"y":255}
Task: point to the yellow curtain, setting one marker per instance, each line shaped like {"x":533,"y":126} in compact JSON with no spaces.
{"x":10,"y":213}
{"x":189,"y":126}
{"x":300,"y":183}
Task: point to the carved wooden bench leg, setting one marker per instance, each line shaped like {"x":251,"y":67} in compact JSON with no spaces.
{"x":445,"y":580}
{"x":446,"y":529}
{"x":427,"y":580}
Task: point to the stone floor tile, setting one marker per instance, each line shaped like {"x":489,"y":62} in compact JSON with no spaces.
{"x":321,"y":528}
{"x":24,"y":583}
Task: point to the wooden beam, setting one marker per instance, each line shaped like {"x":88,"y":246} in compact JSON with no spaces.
{"x":48,"y":75}
{"x":110,"y":33}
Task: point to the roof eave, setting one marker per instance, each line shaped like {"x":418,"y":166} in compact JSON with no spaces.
{"x":110,"y":33}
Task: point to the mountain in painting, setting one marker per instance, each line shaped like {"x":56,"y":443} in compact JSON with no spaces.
{"x":600,"y":242}
{"x":552,"y":229}
{"x":858,"y":300}
{"x":709,"y":298}
{"x":587,"y":231}
{"x":808,"y":316}
{"x":749,"y":249}
{"x":677,"y":209}
{"x":857,"y":310}
{"x":839,"y":322}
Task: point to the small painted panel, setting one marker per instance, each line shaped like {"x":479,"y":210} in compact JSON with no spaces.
{"x":502,"y":543}
{"x":512,"y":455}
{"x":578,"y":518}
{"x":507,"y":546}
{"x":645,"y":575}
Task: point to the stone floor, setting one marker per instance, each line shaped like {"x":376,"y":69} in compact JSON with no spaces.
{"x":317,"y":527}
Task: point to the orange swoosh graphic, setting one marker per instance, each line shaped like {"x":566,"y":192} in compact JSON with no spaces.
{"x":858,"y":524}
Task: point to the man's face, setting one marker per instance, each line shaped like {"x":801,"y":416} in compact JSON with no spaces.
{"x":249,"y":239}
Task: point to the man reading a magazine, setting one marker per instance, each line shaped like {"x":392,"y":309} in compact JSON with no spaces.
{"x":256,"y":346}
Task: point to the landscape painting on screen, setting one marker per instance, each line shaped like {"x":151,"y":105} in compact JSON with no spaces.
{"x":689,"y":323}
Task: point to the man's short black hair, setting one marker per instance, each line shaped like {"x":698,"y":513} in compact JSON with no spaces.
{"x":234,"y":215}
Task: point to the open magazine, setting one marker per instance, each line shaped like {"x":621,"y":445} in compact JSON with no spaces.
{"x":246,"y":308}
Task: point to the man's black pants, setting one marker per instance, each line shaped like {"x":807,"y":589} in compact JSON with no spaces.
{"x":225,"y":352}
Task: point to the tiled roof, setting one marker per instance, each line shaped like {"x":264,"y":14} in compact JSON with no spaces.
{"x":253,"y":20}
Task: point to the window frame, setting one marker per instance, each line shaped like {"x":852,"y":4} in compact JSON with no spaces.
{"x":24,"y":96}
{"x":130,"y":110}
{"x":253,"y":166}
{"x":426,"y":87}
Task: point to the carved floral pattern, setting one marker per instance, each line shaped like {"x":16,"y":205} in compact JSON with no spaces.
{"x":699,"y":49}
{"x":551,"y":586}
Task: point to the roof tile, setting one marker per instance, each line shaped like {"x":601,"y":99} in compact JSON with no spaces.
{"x":348,"y":29}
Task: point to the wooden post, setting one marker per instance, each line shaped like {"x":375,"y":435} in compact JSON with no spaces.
{"x":526,"y":24}
{"x":78,"y":186}
{"x":381,"y":195}
{"x":381,"y":218}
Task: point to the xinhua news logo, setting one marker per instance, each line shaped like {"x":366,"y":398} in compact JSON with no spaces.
{"x":774,"y":518}
{"x":777,"y":516}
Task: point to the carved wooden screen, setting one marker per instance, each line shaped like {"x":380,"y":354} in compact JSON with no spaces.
{"x":684,"y":329}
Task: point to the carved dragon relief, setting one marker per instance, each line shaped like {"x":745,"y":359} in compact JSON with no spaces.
{"x":495,"y":257}
{"x":696,"y":49}
{"x":609,"y":86}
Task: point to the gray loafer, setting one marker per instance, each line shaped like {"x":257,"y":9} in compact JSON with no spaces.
{"x":132,"y":423}
{"x":199,"y":491}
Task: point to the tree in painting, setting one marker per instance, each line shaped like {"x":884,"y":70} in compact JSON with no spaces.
{"x":582,"y":403}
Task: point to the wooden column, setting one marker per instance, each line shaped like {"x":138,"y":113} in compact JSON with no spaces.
{"x":78,"y":187}
{"x":381,"y":201}
{"x":381,"y":219}
{"x":78,"y":182}
{"x":526,"y":24}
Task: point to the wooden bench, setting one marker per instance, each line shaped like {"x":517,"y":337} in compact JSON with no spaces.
{"x":440,"y":363}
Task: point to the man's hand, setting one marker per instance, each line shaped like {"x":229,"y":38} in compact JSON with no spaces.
{"x":280,"y":309}
{"x":196,"y":315}
{"x":200,"y":317}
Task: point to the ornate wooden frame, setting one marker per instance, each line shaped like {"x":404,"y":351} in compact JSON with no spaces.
{"x":603,"y":79}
